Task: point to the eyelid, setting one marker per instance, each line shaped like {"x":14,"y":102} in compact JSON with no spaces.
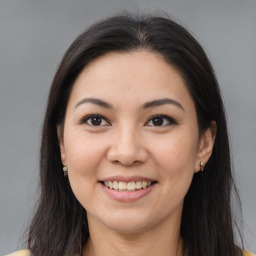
{"x":84,"y":120}
{"x":171,"y":121}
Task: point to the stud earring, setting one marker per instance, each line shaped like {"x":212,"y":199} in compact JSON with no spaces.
{"x":65,"y":170}
{"x":202,"y":165}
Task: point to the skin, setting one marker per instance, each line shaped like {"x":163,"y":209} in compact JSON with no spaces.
{"x":129,"y":144}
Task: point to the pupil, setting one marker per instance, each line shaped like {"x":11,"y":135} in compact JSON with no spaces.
{"x":157,"y":121}
{"x":96,"y":120}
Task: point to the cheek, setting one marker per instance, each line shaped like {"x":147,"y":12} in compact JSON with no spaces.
{"x":84,"y":157}
{"x":177,"y":153}
{"x":83,"y":153}
{"x":175,"y":157}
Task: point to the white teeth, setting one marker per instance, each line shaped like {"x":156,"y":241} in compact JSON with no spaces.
{"x":131,"y":186}
{"x":138,"y":185}
{"x":127,"y":186}
{"x":115,"y":185}
{"x":144,"y":184}
{"x":122,"y":186}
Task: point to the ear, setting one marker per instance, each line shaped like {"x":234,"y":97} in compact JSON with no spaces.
{"x":205,"y":145}
{"x":61,"y":145}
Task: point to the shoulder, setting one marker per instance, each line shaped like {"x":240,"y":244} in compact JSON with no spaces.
{"x":246,"y":253}
{"x":20,"y":253}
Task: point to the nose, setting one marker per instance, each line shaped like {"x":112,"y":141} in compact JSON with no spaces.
{"x":127,"y":148}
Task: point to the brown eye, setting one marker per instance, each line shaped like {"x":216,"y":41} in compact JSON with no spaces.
{"x":95,"y":120}
{"x":157,"y":121}
{"x":161,"y":120}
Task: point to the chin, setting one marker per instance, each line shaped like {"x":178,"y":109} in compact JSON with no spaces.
{"x":128,"y":228}
{"x":128,"y":223}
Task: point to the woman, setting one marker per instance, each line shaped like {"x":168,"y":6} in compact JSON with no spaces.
{"x":135,"y":155}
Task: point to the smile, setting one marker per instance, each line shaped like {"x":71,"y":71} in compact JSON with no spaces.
{"x":130,"y":186}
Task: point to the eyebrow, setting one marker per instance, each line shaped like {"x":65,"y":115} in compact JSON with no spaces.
{"x":154,"y":103}
{"x":95,"y":101}
{"x":160,"y":102}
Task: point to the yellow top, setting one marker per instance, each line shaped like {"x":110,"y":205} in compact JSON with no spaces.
{"x":27,"y":253}
{"x":246,"y":253}
{"x":20,"y":253}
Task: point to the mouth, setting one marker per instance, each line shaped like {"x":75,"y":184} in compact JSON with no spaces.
{"x":131,"y":186}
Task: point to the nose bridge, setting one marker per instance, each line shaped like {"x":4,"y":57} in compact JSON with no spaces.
{"x":127,"y":138}
{"x":126,"y":147}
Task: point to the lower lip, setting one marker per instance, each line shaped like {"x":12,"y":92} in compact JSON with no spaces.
{"x":127,"y":196}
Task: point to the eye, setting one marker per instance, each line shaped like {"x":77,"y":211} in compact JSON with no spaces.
{"x":95,"y":120}
{"x":160,"y":120}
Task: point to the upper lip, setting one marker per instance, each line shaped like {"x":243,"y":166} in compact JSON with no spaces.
{"x":127,"y":178}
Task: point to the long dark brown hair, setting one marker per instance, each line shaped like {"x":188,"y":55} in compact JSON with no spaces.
{"x":59,"y":226}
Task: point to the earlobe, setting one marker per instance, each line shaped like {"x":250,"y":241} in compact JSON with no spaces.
{"x":205,"y":147}
{"x":61,"y":145}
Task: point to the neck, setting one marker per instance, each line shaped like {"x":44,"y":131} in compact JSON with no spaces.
{"x":162,"y":240}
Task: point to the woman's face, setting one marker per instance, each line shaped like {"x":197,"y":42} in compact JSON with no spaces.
{"x":131,"y":141}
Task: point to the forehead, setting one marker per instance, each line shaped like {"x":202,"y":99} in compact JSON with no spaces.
{"x":137,"y":75}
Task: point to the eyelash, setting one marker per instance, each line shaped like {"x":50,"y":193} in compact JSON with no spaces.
{"x":85,"y":120}
{"x":167,"y":120}
{"x":170,"y":120}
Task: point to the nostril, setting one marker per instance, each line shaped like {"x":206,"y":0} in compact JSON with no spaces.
{"x":129,"y":153}
{"x":127,"y":163}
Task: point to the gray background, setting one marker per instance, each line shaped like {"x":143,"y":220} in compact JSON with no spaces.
{"x":34,"y":36}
